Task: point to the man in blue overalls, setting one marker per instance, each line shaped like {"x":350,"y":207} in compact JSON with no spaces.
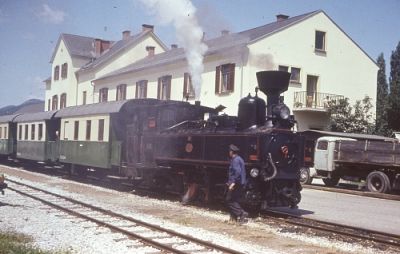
{"x":236,"y":183}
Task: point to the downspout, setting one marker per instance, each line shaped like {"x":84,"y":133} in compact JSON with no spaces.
{"x":76,"y":91}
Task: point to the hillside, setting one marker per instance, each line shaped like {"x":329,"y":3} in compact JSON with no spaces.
{"x":29,"y":106}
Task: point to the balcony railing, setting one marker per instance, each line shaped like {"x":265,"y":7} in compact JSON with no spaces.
{"x":314,"y":100}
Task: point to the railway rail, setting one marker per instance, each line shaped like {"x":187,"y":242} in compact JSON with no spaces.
{"x":353,"y":192}
{"x":161,"y":239}
{"x":386,"y":239}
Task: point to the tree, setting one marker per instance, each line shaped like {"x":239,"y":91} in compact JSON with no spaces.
{"x":382,"y":105}
{"x":356,"y":119}
{"x":394,"y":96}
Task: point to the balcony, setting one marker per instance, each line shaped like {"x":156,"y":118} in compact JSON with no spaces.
{"x":313,"y":101}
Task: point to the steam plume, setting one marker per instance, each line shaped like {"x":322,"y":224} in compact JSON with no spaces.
{"x":182,"y":14}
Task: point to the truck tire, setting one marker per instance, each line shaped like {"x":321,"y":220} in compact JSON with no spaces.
{"x":378,"y":181}
{"x":330,"y":182}
{"x":305,"y":177}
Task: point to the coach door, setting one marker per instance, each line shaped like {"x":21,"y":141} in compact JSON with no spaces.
{"x":134,"y":140}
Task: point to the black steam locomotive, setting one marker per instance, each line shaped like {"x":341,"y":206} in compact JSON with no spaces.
{"x":197,"y":150}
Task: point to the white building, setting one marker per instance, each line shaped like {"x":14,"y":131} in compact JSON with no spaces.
{"x":324,"y":61}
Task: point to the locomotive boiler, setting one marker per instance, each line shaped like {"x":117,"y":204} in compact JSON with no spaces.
{"x":198,"y":150}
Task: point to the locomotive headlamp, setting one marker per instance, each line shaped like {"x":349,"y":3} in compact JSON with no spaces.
{"x":282,"y":111}
{"x":254,"y":172}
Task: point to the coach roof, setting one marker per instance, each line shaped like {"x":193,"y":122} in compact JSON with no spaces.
{"x":7,"y":118}
{"x":31,"y":117}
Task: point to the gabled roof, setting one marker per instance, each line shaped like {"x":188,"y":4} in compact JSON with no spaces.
{"x":77,"y":45}
{"x":215,"y":45}
{"x":118,"y":47}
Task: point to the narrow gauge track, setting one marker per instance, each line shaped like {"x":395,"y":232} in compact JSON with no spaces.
{"x":353,"y":192}
{"x":387,"y":239}
{"x":164,"y":240}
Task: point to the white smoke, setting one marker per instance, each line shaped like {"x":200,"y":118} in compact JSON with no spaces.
{"x":262,"y":61}
{"x":182,"y":15}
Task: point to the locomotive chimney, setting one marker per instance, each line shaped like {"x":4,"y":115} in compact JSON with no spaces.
{"x":272,"y":83}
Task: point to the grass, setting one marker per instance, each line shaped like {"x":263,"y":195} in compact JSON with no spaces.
{"x":13,"y":243}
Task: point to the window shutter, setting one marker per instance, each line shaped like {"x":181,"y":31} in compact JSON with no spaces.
{"x":217,"y":78}
{"x":185,"y":84}
{"x":231,"y":84}
{"x":159,"y":89}
{"x":169,"y":78}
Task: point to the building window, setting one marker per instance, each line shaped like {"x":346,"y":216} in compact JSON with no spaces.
{"x":101,"y":130}
{"x":63,"y":100}
{"x":76,"y":130}
{"x":26,"y":132}
{"x":141,"y":89}
{"x":56,"y":73}
{"x":88,"y":129}
{"x":320,"y":41}
{"x":164,"y":88}
{"x":54,"y":103}
{"x":84,"y":98}
{"x":295,"y":75}
{"x":121,"y":92}
{"x":32,"y":132}
{"x":188,"y":91}
{"x":283,"y":68}
{"x":40,"y":131}
{"x":48,"y":105}
{"x":225,"y":78}
{"x":103,"y":95}
{"x":64,"y":71}
{"x":20,"y":132}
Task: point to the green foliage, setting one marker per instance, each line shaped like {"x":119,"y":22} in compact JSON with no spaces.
{"x":382,"y":105}
{"x":17,"y":244}
{"x":394,"y":97}
{"x":356,"y":119}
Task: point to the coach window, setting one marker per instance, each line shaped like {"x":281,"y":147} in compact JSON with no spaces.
{"x":32,"y":132}
{"x":88,"y":129}
{"x":1,"y":131}
{"x":40,"y":131}
{"x":141,"y":89}
{"x":164,"y":88}
{"x":26,"y":132}
{"x":188,"y":91}
{"x":103,"y":95}
{"x":224,"y":78}
{"x":5,"y":133}
{"x":20,"y":132}
{"x":121,"y":92}
{"x":65,"y":130}
{"x":64,"y":71}
{"x":76,"y":130}
{"x":101,"y":130}
{"x":56,"y":72}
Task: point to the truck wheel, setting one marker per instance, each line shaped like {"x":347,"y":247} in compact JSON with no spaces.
{"x":305,"y":177}
{"x":330,"y":182}
{"x":378,"y":181}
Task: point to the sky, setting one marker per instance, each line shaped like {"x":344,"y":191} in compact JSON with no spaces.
{"x":29,"y":29}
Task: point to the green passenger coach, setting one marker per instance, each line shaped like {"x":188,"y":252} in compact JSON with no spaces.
{"x":7,"y":136}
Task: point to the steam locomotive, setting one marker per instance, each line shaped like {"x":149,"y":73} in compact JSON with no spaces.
{"x":167,"y":145}
{"x":273,"y":154}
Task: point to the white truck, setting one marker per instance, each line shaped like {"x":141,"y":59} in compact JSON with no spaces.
{"x":376,"y":162}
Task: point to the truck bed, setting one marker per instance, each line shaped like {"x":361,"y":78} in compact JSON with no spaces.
{"x":386,"y":154}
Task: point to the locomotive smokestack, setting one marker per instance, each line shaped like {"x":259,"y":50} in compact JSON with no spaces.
{"x":272,"y":83}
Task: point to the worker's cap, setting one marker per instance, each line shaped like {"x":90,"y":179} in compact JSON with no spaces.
{"x":233,"y":148}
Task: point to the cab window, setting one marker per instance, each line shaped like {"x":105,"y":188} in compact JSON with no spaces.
{"x":322,"y":145}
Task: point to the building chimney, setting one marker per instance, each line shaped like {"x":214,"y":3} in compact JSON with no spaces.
{"x":174,"y":46}
{"x":146,"y":27}
{"x":224,"y":32}
{"x":150,"y":50}
{"x":281,"y":17}
{"x":126,"y":35}
{"x":100,"y":46}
